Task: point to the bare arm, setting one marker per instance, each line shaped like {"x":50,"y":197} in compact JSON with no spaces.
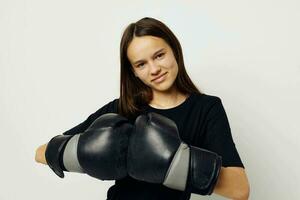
{"x":233,"y":183}
{"x":40,"y":154}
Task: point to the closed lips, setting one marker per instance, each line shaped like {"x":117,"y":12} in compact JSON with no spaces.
{"x":159,"y":77}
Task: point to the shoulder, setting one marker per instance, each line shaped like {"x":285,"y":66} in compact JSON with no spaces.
{"x":206,"y":100}
{"x":208,"y":105}
{"x":113,"y":104}
{"x":110,"y":106}
{"x":114,"y":101}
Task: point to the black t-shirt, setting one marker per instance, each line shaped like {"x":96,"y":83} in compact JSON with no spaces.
{"x":201,"y":122}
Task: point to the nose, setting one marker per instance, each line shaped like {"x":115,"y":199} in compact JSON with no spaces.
{"x":154,"y":68}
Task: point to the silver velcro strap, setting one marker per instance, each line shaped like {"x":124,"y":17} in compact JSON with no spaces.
{"x":70,"y":158}
{"x":178,"y":171}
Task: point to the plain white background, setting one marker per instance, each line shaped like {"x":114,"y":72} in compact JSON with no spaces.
{"x":59,"y":62}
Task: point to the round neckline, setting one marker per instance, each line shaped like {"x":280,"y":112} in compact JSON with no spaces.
{"x":172,"y":108}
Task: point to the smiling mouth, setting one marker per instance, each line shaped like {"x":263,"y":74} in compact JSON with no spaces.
{"x":159,"y":76}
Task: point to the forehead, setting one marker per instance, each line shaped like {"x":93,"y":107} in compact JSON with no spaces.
{"x":141,"y":47}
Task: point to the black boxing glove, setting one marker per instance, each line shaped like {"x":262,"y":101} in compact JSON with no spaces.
{"x":54,"y":150}
{"x":101,"y":150}
{"x":156,"y":154}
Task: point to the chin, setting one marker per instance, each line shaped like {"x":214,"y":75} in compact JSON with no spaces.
{"x":162,"y":87}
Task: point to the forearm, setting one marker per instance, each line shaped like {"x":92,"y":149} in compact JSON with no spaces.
{"x":232,"y":183}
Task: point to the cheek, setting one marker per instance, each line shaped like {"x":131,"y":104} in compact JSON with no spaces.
{"x":170,"y":63}
{"x":142,"y":75}
{"x":173,"y":67}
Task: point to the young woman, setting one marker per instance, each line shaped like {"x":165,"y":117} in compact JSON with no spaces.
{"x":161,"y":102}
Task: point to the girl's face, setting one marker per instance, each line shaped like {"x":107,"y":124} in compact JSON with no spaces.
{"x":153,"y":62}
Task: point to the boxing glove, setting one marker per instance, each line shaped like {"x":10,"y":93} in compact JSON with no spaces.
{"x":100,"y":151}
{"x":54,"y":150}
{"x":156,"y":154}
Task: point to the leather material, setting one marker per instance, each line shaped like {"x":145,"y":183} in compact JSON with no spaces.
{"x":102,"y":148}
{"x":152,"y":147}
{"x":178,"y":171}
{"x":156,"y":153}
{"x":70,"y":158}
{"x":54,"y":151}
{"x":205,"y":167}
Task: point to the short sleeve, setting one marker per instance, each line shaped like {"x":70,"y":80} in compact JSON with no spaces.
{"x":110,"y":107}
{"x":218,"y":137}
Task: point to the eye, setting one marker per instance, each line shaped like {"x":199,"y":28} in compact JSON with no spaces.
{"x":160,"y":55}
{"x":140,"y":65}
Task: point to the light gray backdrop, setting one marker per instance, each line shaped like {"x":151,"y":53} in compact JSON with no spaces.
{"x":59,"y":62}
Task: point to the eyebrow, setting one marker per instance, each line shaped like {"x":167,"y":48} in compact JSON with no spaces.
{"x":153,"y":54}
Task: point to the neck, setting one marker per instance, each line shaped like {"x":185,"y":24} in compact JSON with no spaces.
{"x":167,"y":99}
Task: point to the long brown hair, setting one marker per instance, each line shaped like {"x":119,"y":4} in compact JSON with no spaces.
{"x":133,"y":92}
